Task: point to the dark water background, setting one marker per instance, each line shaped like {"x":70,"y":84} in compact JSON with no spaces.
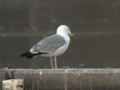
{"x":96,"y":24}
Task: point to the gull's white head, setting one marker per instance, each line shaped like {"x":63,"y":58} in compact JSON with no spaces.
{"x":64,"y":30}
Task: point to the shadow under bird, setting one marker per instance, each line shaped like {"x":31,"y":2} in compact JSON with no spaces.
{"x":51,"y":46}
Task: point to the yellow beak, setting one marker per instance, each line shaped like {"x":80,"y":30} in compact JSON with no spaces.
{"x":71,"y":35}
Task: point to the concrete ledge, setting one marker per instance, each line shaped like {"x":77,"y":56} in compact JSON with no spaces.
{"x":65,"y":79}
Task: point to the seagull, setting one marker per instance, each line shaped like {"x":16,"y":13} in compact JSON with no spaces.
{"x":51,"y":46}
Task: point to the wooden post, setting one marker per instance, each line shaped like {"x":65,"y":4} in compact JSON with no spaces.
{"x":13,"y":84}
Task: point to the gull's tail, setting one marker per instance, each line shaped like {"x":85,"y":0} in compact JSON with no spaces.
{"x":27,"y":55}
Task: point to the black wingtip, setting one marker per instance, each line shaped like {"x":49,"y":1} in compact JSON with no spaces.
{"x":27,"y":55}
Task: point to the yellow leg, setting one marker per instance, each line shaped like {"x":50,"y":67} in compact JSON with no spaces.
{"x":51,"y":61}
{"x":55,"y":62}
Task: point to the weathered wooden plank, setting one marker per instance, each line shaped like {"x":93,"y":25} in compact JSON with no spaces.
{"x":13,"y":84}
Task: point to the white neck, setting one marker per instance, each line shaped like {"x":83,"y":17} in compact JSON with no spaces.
{"x":62,"y":33}
{"x":66,"y":37}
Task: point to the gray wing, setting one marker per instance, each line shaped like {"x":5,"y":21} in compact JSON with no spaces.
{"x":49,"y":44}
